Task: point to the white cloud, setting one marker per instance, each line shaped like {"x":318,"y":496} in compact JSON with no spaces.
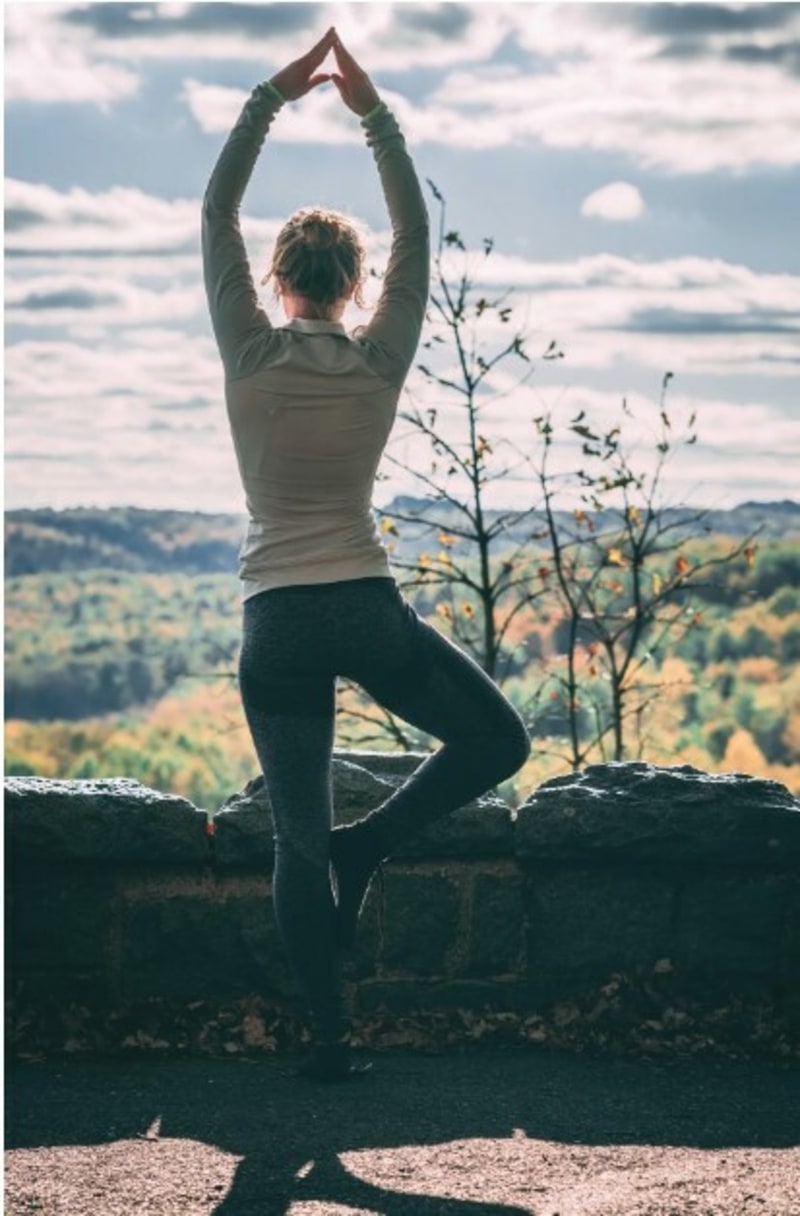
{"x":601,"y":77}
{"x":41,"y":218}
{"x":214,"y":108}
{"x":686,"y":117}
{"x":611,"y":86}
{"x":118,"y":420}
{"x":702,"y":314}
{"x":70,"y":299}
{"x":744,"y":448}
{"x":90,"y":53}
{"x":616,"y":201}
{"x":318,"y":118}
{"x":57,"y":371}
{"x":383,"y":37}
{"x":44,"y":65}
{"x":724,"y":467}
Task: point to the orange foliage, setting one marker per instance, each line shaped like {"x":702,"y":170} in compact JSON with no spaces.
{"x":759,"y":670}
{"x":743,"y":755}
{"x":521,"y":626}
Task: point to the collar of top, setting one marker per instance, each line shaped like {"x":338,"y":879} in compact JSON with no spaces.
{"x":305,"y":325}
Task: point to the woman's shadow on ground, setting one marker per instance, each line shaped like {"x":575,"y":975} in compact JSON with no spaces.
{"x":291,"y":1133}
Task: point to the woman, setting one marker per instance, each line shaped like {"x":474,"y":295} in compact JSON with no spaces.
{"x":311,"y":409}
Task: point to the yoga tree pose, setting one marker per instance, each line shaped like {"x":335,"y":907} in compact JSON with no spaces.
{"x":311,"y":408}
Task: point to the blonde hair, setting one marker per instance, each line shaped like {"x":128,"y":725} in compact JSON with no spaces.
{"x":319,"y":254}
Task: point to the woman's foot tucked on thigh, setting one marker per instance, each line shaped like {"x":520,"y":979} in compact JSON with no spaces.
{"x":356,"y":852}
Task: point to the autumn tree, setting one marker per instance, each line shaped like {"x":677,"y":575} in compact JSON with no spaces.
{"x":620,"y":573}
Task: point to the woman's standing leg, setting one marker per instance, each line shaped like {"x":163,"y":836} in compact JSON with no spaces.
{"x":291,"y":717}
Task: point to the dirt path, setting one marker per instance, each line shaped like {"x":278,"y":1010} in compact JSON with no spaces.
{"x":495,"y":1131}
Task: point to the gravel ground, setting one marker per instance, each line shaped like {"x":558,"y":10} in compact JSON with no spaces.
{"x":512,"y":1130}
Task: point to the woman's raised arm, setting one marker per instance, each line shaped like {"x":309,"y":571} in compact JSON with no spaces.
{"x":236,"y":312}
{"x":400,"y":313}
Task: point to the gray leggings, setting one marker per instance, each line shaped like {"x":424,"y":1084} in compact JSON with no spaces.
{"x":297,"y":640}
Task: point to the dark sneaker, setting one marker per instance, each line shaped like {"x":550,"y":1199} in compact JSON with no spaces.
{"x":332,"y":1062}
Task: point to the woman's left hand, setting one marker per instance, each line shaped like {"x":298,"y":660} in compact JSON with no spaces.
{"x":296,"y":80}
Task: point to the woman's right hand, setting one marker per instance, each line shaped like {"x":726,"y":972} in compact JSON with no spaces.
{"x":355,"y":87}
{"x":296,"y":80}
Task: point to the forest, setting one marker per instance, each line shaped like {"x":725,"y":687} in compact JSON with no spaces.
{"x":122,"y":639}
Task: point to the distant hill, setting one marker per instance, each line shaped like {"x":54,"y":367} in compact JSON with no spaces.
{"x":131,"y":539}
{"x":126,"y":539}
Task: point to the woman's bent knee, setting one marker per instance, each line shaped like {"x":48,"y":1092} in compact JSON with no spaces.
{"x":512,"y":747}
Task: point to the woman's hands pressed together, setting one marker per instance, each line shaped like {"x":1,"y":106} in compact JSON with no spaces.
{"x":296,"y":80}
{"x":301,"y":76}
{"x":355,"y":87}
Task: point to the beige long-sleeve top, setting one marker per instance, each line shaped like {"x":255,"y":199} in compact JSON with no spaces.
{"x":311,"y":407}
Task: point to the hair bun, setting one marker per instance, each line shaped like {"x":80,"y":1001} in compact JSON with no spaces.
{"x":317,"y":235}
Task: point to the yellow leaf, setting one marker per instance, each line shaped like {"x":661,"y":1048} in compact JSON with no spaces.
{"x":615,"y":558}
{"x":388,"y":526}
{"x":445,"y":539}
{"x":658,"y":584}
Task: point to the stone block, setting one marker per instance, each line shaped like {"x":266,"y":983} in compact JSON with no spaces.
{"x":421,"y":921}
{"x":482,"y":828}
{"x":243,"y":834}
{"x":496,"y":924}
{"x":112,"y":820}
{"x":550,"y":985}
{"x":389,"y":765}
{"x":187,"y":945}
{"x":61,"y":920}
{"x":731,"y":923}
{"x":639,"y":812}
{"x":356,"y":790}
{"x":606,"y":919}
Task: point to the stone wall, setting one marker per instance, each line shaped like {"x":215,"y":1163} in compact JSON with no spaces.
{"x":628,"y":906}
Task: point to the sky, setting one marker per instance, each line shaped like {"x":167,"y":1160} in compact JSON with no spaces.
{"x":636,"y":165}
